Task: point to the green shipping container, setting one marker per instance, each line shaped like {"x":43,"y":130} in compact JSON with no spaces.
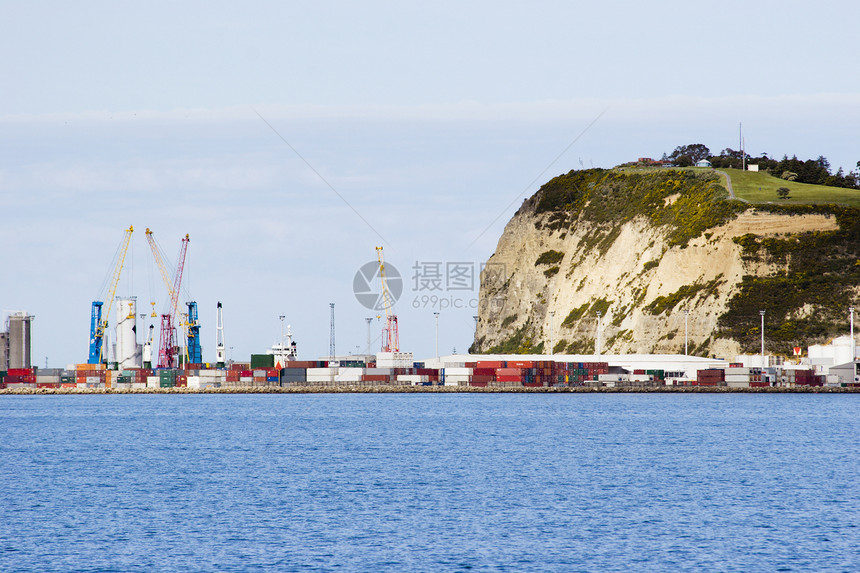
{"x":262,"y":361}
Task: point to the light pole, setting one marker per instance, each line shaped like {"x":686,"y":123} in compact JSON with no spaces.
{"x":597,"y":342}
{"x":368,"y":320}
{"x":436,"y":317}
{"x":282,"y":317}
{"x":551,"y":331}
{"x":686,"y":323}
{"x":761,"y":312}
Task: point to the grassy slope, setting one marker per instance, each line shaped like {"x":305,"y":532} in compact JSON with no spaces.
{"x":761,"y":188}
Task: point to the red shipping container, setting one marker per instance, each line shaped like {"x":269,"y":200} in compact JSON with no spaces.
{"x":521,"y":364}
{"x":490,"y":364}
{"x":482,"y":378}
{"x":508,"y":378}
{"x":511,"y":371}
{"x":533,"y":384}
{"x":484,"y":371}
{"x":19,"y":371}
{"x":479,"y":384}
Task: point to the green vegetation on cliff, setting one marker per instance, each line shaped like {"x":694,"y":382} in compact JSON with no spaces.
{"x":684,"y":202}
{"x":808,"y":299}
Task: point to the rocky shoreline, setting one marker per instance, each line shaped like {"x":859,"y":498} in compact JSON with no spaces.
{"x":389,"y":389}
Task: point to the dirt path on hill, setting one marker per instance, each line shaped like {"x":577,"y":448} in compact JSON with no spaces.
{"x":729,"y":185}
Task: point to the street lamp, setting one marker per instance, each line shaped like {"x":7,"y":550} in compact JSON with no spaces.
{"x":686,"y":322}
{"x":853,"y":345}
{"x":436,"y":317}
{"x":761,"y":312}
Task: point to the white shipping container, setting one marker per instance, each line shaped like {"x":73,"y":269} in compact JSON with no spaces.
{"x":351,"y":371}
{"x":641,"y":377}
{"x":153,"y":382}
{"x":612,"y":377}
{"x":193,"y":381}
{"x":458,"y":372}
{"x":81,"y":384}
{"x":138,"y":385}
{"x":331,"y":371}
{"x":414,"y":378}
{"x":735,"y":378}
{"x":394,"y":359}
{"x":734,"y":371}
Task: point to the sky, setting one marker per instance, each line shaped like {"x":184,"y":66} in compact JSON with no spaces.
{"x":290,"y":139}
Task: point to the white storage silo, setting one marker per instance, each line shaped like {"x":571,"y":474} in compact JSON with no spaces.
{"x":127,"y":352}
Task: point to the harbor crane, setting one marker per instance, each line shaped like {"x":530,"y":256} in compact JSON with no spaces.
{"x":390,"y":334}
{"x":98,"y":325}
{"x":167,"y":352}
{"x":220,"y":349}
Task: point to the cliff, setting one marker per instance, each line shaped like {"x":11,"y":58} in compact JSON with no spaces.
{"x":641,"y":248}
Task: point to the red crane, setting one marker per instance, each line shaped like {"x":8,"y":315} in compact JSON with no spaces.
{"x":390,"y":334}
{"x":168,"y":355}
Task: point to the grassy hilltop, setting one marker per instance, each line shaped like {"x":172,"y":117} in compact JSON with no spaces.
{"x":760,"y":187}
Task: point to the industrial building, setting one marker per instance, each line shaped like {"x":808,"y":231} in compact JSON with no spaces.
{"x":15,"y":341}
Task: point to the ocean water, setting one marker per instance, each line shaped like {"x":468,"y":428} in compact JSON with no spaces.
{"x":402,"y":482}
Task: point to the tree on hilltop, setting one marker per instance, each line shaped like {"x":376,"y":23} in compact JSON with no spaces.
{"x":686,"y":155}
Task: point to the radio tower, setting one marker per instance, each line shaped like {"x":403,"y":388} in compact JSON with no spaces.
{"x":331,"y":352}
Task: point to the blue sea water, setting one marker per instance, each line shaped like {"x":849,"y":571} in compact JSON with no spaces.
{"x":403,"y":482}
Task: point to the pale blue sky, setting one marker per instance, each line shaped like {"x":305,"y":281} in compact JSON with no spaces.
{"x":429,"y":119}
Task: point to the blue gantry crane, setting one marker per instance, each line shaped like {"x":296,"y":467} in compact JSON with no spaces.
{"x":192,"y":330}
